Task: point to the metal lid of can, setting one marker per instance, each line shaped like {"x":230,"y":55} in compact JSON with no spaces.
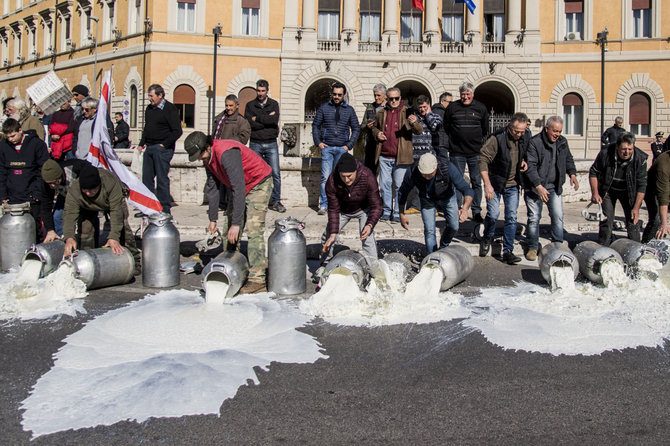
{"x":289,"y":223}
{"x":18,"y":208}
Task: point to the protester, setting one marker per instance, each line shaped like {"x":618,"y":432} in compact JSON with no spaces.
{"x":379,"y":93}
{"x":121,"y":132}
{"x":435,"y":181}
{"x":611,"y":135}
{"x":657,"y":146}
{"x":248,"y":177}
{"x":619,"y":173}
{"x":657,"y":198}
{"x":79,"y":93}
{"x":439,"y":109}
{"x":18,"y":110}
{"x":83,"y":128}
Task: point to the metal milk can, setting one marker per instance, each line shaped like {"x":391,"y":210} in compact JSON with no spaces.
{"x":17,"y":234}
{"x":397,"y":260}
{"x":632,"y":252}
{"x":555,"y":254}
{"x":287,"y":258}
{"x":49,"y":254}
{"x":348,"y":262}
{"x":160,"y":252}
{"x":99,"y":268}
{"x":591,"y":257}
{"x":456,"y":264}
{"x":230,"y":267}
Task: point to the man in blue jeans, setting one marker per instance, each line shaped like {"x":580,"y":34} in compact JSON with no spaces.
{"x":335,"y":130}
{"x":263,"y":116}
{"x":436,"y":183}
{"x":501,"y":163}
{"x":549,"y":160}
{"x":162,"y":129}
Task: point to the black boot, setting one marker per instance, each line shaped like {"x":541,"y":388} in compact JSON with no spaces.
{"x":509,"y":258}
{"x":484,"y":246}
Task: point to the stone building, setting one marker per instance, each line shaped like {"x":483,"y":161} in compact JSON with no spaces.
{"x":541,"y":57}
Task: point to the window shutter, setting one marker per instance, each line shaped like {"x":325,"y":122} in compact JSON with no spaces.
{"x":572,"y":99}
{"x":184,"y":94}
{"x":641,"y":4}
{"x":574,"y":6}
{"x":639,"y":109}
{"x":329,"y":5}
{"x":187,"y":1}
{"x":256,"y":4}
{"x":494,"y":6}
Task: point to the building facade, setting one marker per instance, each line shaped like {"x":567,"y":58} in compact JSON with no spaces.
{"x":542,"y":57}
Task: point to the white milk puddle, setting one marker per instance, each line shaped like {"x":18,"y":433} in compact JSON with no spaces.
{"x":386,"y":301}
{"x":562,"y":277}
{"x":612,"y":273}
{"x":586,"y":320}
{"x":216,"y":288}
{"x":168,"y":355}
{"x":25,"y":297}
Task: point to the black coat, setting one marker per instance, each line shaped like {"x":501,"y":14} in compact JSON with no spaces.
{"x":537,"y":158}
{"x":636,"y":171}
{"x":122,"y":132}
{"x":20,"y":172}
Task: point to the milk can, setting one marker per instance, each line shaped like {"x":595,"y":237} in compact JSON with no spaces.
{"x":633,"y":252}
{"x":49,"y":254}
{"x":591,"y":256}
{"x":348,"y":262}
{"x":99,"y":268}
{"x":230,"y":268}
{"x":287,"y":258}
{"x":160,"y":252}
{"x":398,"y":261}
{"x":455,"y":262}
{"x":17,"y":233}
{"x":555,"y":254}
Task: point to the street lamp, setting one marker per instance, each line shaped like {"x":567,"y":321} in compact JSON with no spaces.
{"x":95,"y":53}
{"x":217,"y":32}
{"x":602,"y":41}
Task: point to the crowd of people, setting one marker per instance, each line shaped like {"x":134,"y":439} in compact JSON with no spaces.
{"x":415,"y":159}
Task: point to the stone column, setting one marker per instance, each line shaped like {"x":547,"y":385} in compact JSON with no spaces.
{"x":390,"y":35}
{"x":309,"y":25}
{"x":290,"y":31}
{"x":432,"y":27}
{"x":349,"y":36}
{"x":531,"y":41}
{"x":513,"y":27}
{"x":473,"y":30}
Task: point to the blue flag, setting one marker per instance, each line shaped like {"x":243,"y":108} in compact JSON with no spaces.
{"x":469,"y":3}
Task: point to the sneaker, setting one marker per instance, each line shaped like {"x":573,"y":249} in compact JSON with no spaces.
{"x":252,"y":287}
{"x":484,"y":246}
{"x":384,"y":218}
{"x":531,"y":255}
{"x":509,"y":258}
{"x":477,"y":218}
{"x":277,"y":207}
{"x":322,"y":211}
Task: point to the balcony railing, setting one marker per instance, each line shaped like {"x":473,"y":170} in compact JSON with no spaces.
{"x":451,"y":47}
{"x":370,"y":47}
{"x":328,"y":45}
{"x":411,"y":47}
{"x":493,"y":47}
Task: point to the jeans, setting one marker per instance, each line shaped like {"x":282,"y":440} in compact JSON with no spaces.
{"x":510,"y":197}
{"x":369,"y":244}
{"x":609,"y":204}
{"x":475,"y":180}
{"x":269,"y":151}
{"x":391,"y":176}
{"x":450,"y":209}
{"x":534,"y":208}
{"x":58,"y":209}
{"x":654,"y":216}
{"x":330,"y":155}
{"x":155,"y":170}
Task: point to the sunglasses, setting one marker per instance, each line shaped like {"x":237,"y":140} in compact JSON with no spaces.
{"x":394,"y":98}
{"x":87,"y":109}
{"x":337,"y":94}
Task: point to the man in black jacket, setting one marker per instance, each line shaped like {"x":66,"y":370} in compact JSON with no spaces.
{"x":549,"y":160}
{"x":466,"y":122}
{"x":619,"y":173}
{"x":611,"y":135}
{"x":121,"y":132}
{"x":162,"y":129}
{"x":263,"y":116}
{"x":22,"y":155}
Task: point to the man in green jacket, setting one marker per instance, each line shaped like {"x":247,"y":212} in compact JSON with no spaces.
{"x":99,"y":190}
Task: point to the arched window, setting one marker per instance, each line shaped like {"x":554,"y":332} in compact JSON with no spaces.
{"x":133,"y":106}
{"x":573,"y":114}
{"x":639,"y":112}
{"x":184,"y":100}
{"x":246,"y":95}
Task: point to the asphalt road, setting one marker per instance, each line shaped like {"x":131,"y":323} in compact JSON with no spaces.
{"x":405,"y":384}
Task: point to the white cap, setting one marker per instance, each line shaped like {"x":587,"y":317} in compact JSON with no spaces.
{"x":427,"y":163}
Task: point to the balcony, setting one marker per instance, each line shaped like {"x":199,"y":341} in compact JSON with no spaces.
{"x":411,"y":47}
{"x":370,"y":47}
{"x":493,"y":47}
{"x":451,"y":47}
{"x":328,"y":45}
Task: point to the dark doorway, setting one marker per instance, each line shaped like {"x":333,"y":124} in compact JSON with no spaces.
{"x":499,"y":101}
{"x":410,"y":90}
{"x":317,"y":94}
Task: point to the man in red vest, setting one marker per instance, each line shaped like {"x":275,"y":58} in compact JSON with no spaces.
{"x":249,"y":179}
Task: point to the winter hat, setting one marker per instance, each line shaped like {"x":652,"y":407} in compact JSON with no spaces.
{"x":89,"y":178}
{"x":427,"y":163}
{"x":81,"y":89}
{"x":346,"y":164}
{"x":51,"y":171}
{"x":195,"y":144}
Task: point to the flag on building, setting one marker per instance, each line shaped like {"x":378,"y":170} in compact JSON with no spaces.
{"x":101,"y":154}
{"x":469,"y":3}
{"x":417,"y":4}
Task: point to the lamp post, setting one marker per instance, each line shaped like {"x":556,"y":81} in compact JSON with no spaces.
{"x":95,"y":54}
{"x":217,"y":32}
{"x":602,"y":41}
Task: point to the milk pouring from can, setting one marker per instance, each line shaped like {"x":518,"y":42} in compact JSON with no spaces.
{"x":49,"y":254}
{"x":348,"y":262}
{"x":455,"y":262}
{"x":228,"y":271}
{"x":555,"y":254}
{"x":287,"y":258}
{"x":99,"y":268}
{"x":632,"y":252}
{"x":17,"y":234}
{"x":592,"y":256}
{"x":160,"y":252}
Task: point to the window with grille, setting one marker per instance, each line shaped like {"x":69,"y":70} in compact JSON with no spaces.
{"x":573,"y":114}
